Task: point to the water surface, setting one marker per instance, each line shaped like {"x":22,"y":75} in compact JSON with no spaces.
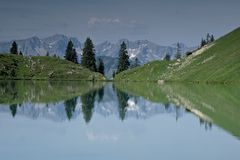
{"x":85,"y":120}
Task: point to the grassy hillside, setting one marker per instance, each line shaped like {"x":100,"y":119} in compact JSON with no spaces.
{"x":152,"y":71}
{"x":43,"y":67}
{"x":221,"y":62}
{"x":216,"y":62}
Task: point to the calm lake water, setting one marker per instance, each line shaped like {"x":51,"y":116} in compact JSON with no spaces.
{"x":43,"y":120}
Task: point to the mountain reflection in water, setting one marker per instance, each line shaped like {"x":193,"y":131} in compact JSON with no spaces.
{"x":61,"y":101}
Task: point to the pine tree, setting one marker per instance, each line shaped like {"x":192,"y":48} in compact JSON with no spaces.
{"x":100,"y":93}
{"x":13,"y":108}
{"x":178,"y":53}
{"x":14,"y":48}
{"x":212,"y":38}
{"x":113,"y":74}
{"x":123,"y":60}
{"x":47,"y":54}
{"x":20,"y":53}
{"x":74,"y":56}
{"x":88,"y":100}
{"x":70,"y":106}
{"x":122,"y":103}
{"x":136,"y":63}
{"x":203,"y":42}
{"x":101,"y":66}
{"x":167,"y":57}
{"x":70,"y":53}
{"x":88,"y":57}
{"x":208,"y":38}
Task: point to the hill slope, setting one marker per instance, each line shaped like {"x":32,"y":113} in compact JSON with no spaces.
{"x":40,"y":67}
{"x":152,"y":71}
{"x":221,"y":62}
{"x":216,"y":62}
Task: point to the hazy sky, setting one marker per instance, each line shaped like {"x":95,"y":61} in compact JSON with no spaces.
{"x":161,"y":21}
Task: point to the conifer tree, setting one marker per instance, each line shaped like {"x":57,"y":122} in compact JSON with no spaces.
{"x":74,"y":56}
{"x":122,"y":103}
{"x":14,"y":48}
{"x":101,"y":66}
{"x":123,"y":60}
{"x":136,"y":63}
{"x":167,"y":57}
{"x":70,"y":106}
{"x":208,"y":38}
{"x":88,"y":57}
{"x":203,"y":42}
{"x":13,"y":108}
{"x":178,"y":53}
{"x":70,"y":53}
{"x":100,"y":93}
{"x":20,"y":53}
{"x":88,"y":100}
{"x":113,"y":74}
{"x":212,"y":38}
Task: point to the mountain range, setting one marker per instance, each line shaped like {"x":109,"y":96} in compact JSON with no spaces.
{"x":144,"y":50}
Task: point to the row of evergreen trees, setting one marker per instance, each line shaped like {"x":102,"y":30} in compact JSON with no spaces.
{"x":88,"y":101}
{"x":209,"y":39}
{"x":14,"y":49}
{"x":178,"y":53}
{"x":88,"y":59}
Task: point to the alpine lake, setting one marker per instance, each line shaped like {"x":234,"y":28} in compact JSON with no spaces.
{"x":47,"y":120}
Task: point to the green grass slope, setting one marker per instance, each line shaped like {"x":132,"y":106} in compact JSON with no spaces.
{"x":43,"y":68}
{"x":216,"y":62}
{"x":219,"y":63}
{"x":152,"y":71}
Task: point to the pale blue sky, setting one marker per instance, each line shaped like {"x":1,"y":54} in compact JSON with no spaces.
{"x":161,"y":21}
